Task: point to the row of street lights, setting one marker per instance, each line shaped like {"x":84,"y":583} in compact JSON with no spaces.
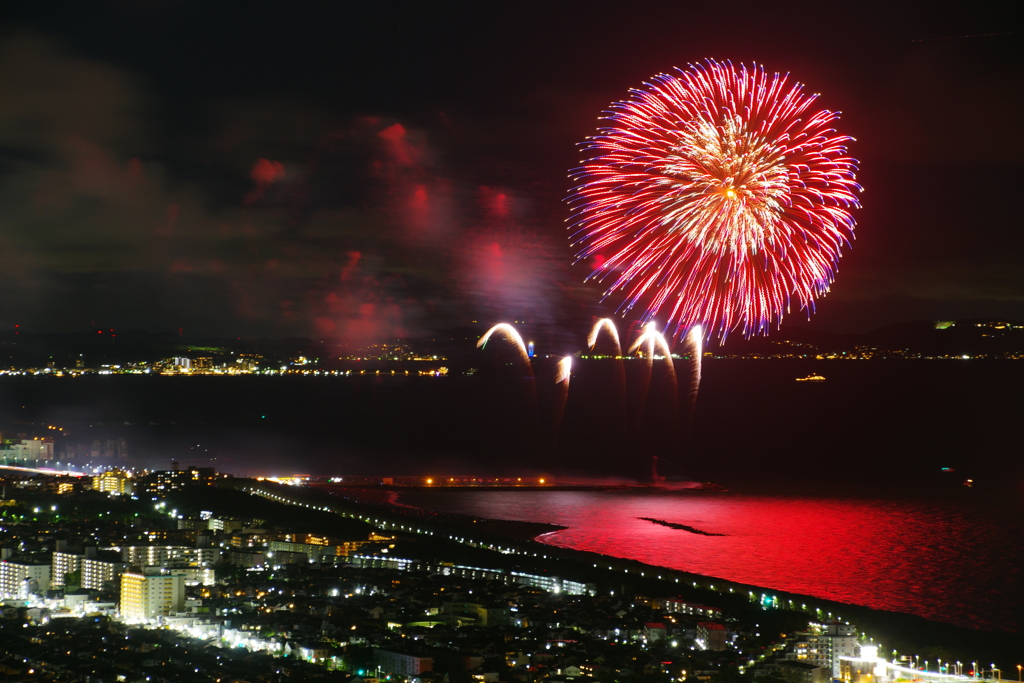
{"x":958,"y":669}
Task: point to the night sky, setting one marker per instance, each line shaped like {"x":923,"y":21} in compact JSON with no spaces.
{"x":360,"y":171}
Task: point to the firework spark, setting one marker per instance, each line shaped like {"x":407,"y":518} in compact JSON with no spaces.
{"x":719,"y":193}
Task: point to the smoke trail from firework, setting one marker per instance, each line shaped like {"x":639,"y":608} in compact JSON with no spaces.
{"x":608,"y":324}
{"x":718,"y":193}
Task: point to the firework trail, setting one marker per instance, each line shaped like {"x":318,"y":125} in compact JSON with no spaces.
{"x":604,"y":323}
{"x":510,"y":334}
{"x":564,"y":372}
{"x":695,"y":338}
{"x":654,"y":341}
{"x":719,"y":193}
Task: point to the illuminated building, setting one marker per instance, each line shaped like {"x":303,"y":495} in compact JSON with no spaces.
{"x":112,"y":481}
{"x":65,"y":563}
{"x":151,"y":593}
{"x":681,"y":607}
{"x":824,"y":644}
{"x":97,"y":571}
{"x":169,"y":556}
{"x":31,"y":449}
{"x":24,"y":577}
{"x":401,"y":664}
{"x":475,"y":613}
{"x":162,"y":481}
{"x":317,"y":552}
{"x":711,"y":635}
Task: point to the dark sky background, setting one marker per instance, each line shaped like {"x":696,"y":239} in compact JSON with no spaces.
{"x":359,"y":171}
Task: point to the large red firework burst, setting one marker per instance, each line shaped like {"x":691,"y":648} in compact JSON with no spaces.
{"x":718,"y":193}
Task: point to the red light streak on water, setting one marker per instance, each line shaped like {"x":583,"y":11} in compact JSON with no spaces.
{"x":954,"y":561}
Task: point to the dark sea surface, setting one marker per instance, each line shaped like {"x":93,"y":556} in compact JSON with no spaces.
{"x":955,"y":557}
{"x":877,"y":421}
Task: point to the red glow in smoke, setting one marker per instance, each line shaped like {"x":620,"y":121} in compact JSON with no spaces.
{"x":351,"y":266}
{"x":265,"y":172}
{"x":398,"y":144}
{"x":495,"y":202}
{"x":323,"y":326}
{"x":419,"y":196}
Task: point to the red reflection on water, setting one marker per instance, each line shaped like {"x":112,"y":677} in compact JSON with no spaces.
{"x":949,"y":562}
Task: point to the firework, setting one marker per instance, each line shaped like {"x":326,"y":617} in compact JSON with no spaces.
{"x":696,"y":337}
{"x":718,"y":193}
{"x":652,"y":339}
{"x":608,"y":324}
{"x":564,"y":371}
{"x":510,"y":334}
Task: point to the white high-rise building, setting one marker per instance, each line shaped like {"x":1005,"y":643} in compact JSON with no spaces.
{"x":824,"y":644}
{"x":63,"y":564}
{"x":96,"y":572}
{"x":24,"y":577}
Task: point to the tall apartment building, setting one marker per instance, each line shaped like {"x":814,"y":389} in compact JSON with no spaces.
{"x":65,"y":563}
{"x":824,"y":644}
{"x":24,"y":576}
{"x":98,"y":571}
{"x":112,"y":481}
{"x":151,"y":593}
